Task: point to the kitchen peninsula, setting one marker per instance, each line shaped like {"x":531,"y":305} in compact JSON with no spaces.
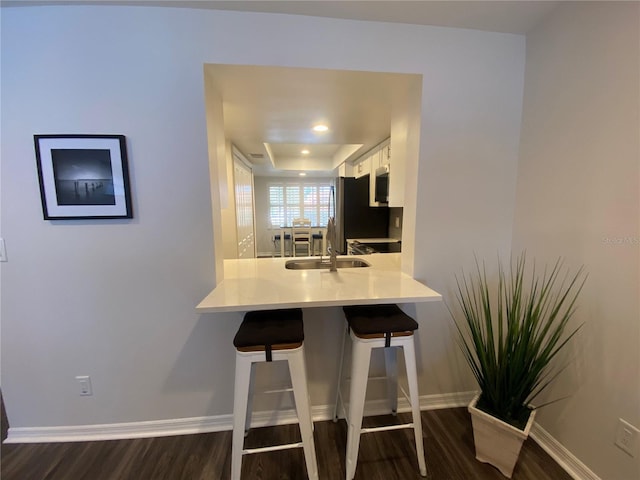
{"x":265,"y":283}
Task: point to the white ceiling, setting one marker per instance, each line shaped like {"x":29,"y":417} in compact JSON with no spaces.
{"x":269,"y":111}
{"x":495,"y":16}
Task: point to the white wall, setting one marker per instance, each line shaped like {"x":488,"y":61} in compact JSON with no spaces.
{"x":577,"y":196}
{"x":115,"y":299}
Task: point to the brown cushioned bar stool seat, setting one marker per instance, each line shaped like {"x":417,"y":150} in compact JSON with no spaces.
{"x":268,"y":336}
{"x":387,"y":327}
{"x":379,"y":321}
{"x":268,"y":330}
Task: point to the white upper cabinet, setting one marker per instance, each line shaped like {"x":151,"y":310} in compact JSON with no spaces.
{"x":380,"y":156}
{"x":367,"y":164}
{"x":362,"y":166}
{"x":385,"y":154}
{"x":374,"y":161}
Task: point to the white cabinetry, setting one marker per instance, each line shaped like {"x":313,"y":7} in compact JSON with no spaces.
{"x":367,"y":164}
{"x":381,"y":156}
{"x":243,"y":184}
{"x":377,"y":158}
{"x":362,"y":167}
{"x":372,"y":181}
{"x":385,"y":154}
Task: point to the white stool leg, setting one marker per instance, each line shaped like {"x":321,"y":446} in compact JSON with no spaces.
{"x":240,"y":399}
{"x":360,"y":360}
{"x":412,"y":379}
{"x":247,"y":423}
{"x":301,"y":394}
{"x":338,"y":398}
{"x":391,"y":366}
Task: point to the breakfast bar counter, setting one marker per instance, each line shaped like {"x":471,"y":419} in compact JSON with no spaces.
{"x":265,"y":283}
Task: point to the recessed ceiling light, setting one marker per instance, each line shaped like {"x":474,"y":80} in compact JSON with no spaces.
{"x":305,"y":152}
{"x":320,"y":128}
{"x":302,"y":174}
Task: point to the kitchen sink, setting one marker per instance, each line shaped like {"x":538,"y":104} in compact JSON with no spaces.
{"x":313,"y":264}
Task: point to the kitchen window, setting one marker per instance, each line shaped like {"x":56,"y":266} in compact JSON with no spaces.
{"x":289,"y":200}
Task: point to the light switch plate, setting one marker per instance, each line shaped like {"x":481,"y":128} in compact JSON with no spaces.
{"x":84,"y":383}
{"x":3,"y":251}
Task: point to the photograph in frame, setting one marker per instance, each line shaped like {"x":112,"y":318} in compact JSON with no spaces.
{"x":83,"y":176}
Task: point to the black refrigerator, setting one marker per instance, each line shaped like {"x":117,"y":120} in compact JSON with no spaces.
{"x":354,"y":217}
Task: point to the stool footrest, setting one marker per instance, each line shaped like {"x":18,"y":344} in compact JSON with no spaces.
{"x":285,"y":446}
{"x":406,"y":395}
{"x":278,"y":390}
{"x":386,"y":427}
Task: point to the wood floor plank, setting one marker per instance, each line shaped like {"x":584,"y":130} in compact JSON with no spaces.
{"x":390,"y":455}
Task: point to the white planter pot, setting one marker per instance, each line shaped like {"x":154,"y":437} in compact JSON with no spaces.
{"x":497,"y":442}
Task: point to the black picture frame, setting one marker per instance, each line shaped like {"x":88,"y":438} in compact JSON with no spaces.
{"x":83,"y":176}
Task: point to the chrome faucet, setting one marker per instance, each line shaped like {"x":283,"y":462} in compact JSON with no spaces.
{"x":331,"y":247}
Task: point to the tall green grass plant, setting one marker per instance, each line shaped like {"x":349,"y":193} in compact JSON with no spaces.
{"x":511,"y":332}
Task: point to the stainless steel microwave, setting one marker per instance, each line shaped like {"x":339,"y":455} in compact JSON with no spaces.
{"x":382,"y":184}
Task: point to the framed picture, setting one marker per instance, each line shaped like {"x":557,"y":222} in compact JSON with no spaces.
{"x":83,"y":176}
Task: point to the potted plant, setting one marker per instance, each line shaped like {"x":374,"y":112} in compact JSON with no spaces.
{"x":510,"y":333}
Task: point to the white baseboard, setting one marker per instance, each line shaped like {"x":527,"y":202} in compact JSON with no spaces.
{"x":117,"y":431}
{"x":572,"y":465}
{"x":189,"y":426}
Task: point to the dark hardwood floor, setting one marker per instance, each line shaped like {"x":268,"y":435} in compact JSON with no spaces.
{"x":4,"y":423}
{"x":383,"y":456}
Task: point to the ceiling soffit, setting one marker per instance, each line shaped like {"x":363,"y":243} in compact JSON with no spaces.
{"x":269,"y":113}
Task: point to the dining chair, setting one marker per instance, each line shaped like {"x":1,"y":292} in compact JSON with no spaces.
{"x":301,"y":235}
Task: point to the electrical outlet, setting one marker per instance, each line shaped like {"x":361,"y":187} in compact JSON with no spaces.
{"x":627,"y":437}
{"x":3,"y":251}
{"x":84,"y":381}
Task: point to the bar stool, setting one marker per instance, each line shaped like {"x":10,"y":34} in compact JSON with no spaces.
{"x":266,"y":336}
{"x":378,"y":326}
{"x":282,"y":238}
{"x":317,"y":238}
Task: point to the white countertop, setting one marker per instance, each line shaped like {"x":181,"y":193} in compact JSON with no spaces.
{"x":265,"y":283}
{"x":373,"y":240}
